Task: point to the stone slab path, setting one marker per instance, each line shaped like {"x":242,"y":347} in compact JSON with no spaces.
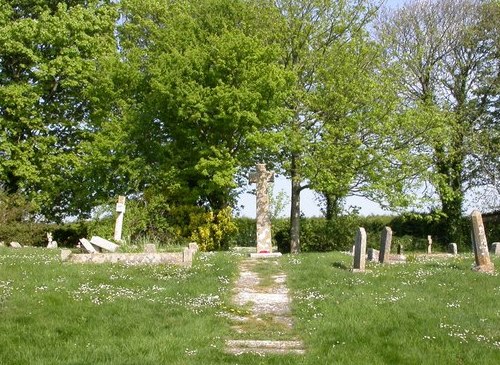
{"x":261,"y":293}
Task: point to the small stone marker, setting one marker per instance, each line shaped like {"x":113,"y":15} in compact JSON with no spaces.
{"x":452,"y":248}
{"x":15,"y":245}
{"x":495,"y":248}
{"x":87,"y":245}
{"x":262,"y":177}
{"x":187,"y":256}
{"x":103,"y":243}
{"x":400,"y":249}
{"x":429,"y":245}
{"x":120,"y":209}
{"x":483,"y":262}
{"x":385,"y":245}
{"x":150,"y":248}
{"x":193,"y":246}
{"x":2,"y":244}
{"x":360,"y":251}
{"x":373,"y":254}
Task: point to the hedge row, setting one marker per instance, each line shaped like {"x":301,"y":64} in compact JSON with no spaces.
{"x":317,"y":234}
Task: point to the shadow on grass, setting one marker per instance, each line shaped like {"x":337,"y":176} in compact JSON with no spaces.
{"x":340,"y":265}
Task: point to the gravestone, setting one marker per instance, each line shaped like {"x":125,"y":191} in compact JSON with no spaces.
{"x":103,"y":243}
{"x":360,"y":251}
{"x":385,"y":245}
{"x":400,"y":249}
{"x":429,"y":245}
{"x":120,"y":209}
{"x":262,"y":177}
{"x":495,"y":248}
{"x":373,"y":254}
{"x":87,"y":245}
{"x":187,"y":255}
{"x":452,"y":248}
{"x":2,"y":244}
{"x":193,"y":246}
{"x":15,"y":245}
{"x":483,"y":262}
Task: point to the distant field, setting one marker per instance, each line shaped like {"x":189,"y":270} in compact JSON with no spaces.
{"x":423,"y":312}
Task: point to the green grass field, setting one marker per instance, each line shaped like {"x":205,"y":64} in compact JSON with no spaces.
{"x":424,"y":312}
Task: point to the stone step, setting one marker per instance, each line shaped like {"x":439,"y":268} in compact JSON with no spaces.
{"x":237,"y":347}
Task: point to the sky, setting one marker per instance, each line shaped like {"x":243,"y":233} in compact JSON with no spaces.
{"x":308,"y":199}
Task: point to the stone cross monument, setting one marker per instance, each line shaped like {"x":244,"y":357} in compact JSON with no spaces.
{"x":262,"y":177}
{"x":120,"y":209}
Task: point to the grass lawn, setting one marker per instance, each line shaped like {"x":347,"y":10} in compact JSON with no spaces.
{"x":423,"y":312}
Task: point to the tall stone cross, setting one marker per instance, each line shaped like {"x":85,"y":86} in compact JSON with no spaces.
{"x":262,"y":177}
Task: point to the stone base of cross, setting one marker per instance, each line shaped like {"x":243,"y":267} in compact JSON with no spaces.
{"x":262,"y":177}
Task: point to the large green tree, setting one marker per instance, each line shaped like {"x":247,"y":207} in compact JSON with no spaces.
{"x":209,"y":91}
{"x":449,"y":69}
{"x":53,"y":57}
{"x":313,"y":33}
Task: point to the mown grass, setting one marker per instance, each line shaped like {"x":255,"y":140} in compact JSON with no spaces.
{"x":431,"y":312}
{"x":436,"y":311}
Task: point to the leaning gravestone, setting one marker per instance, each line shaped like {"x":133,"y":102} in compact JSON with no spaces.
{"x":360,"y":251}
{"x":87,"y":245}
{"x":15,"y":245}
{"x":262,"y":177}
{"x":385,"y":245}
{"x":483,"y":262}
{"x":103,"y":243}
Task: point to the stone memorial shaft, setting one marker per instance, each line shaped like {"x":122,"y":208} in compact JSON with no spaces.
{"x":262,"y":177}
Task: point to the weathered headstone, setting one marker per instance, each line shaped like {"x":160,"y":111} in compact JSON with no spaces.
{"x":360,"y":251}
{"x":262,"y":177}
{"x":385,"y":245}
{"x":120,"y":209}
{"x":452,"y":248}
{"x":87,"y":245}
{"x":495,"y":248}
{"x":373,"y":254}
{"x":15,"y":245}
{"x":400,"y":249}
{"x":187,"y":256}
{"x":483,"y":262}
{"x":103,"y":243}
{"x":429,"y":244}
{"x":193,"y":246}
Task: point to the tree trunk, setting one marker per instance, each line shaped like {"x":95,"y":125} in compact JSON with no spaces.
{"x":333,"y":206}
{"x":295,"y":207}
{"x":450,"y":166}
